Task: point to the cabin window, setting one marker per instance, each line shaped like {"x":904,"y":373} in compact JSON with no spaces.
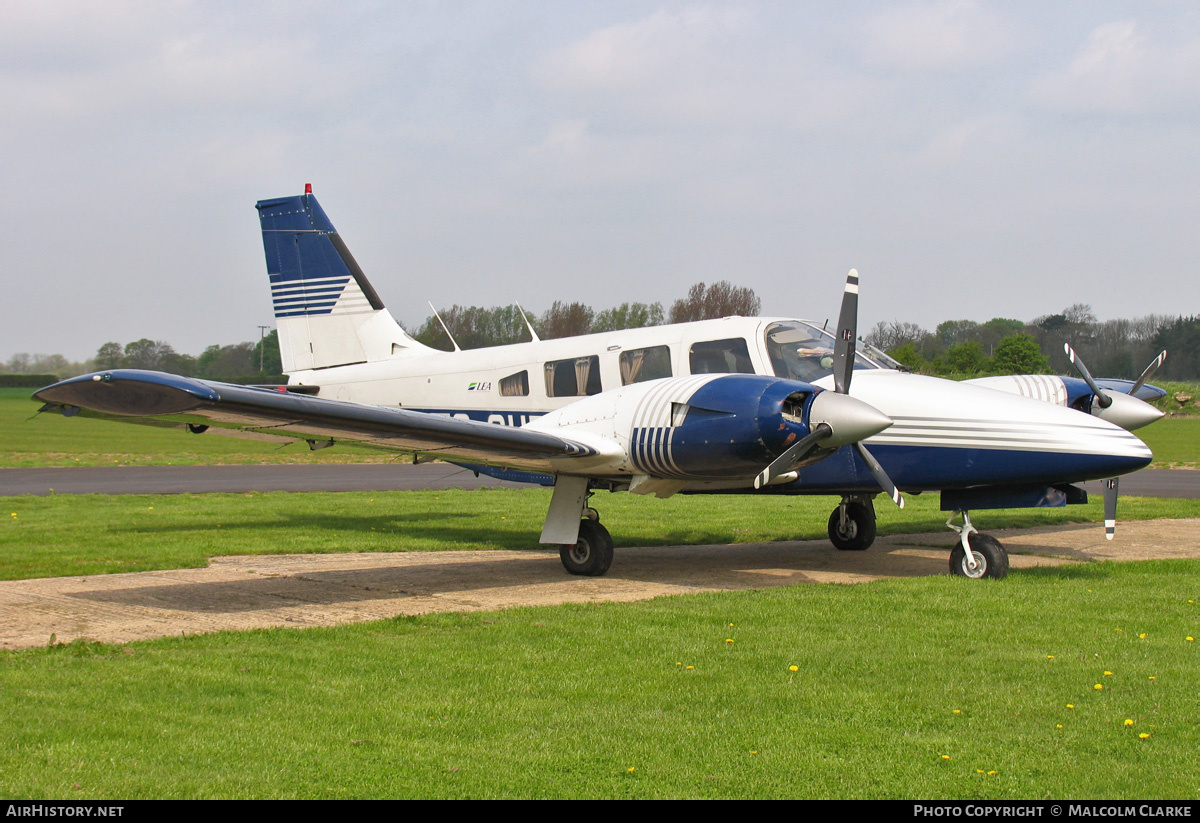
{"x":640,"y":365}
{"x":576,"y":377}
{"x":515,"y":385}
{"x":721,"y":357}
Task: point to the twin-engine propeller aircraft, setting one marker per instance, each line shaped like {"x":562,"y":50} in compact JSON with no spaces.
{"x":749,"y":405}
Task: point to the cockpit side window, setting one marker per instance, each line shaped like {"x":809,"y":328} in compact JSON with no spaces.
{"x":729,"y":356}
{"x":802,"y":352}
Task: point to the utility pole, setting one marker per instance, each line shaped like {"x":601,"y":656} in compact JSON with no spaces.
{"x":262,"y":333}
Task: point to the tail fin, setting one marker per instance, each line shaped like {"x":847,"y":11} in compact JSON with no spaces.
{"x":326,"y":311}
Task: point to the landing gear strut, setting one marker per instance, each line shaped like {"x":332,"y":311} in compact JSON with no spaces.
{"x":976,"y":555}
{"x":592,"y":553}
{"x":852,"y":524}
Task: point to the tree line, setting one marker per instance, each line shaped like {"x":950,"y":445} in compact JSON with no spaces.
{"x":1111,"y":348}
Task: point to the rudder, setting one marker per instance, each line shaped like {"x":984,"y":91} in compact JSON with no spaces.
{"x":326,"y":310}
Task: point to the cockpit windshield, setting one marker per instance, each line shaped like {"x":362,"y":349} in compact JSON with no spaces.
{"x":799,"y":351}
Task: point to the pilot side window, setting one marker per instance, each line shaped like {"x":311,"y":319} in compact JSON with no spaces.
{"x":721,"y":357}
{"x":640,"y":365}
{"x":515,"y":385}
{"x":576,"y":377}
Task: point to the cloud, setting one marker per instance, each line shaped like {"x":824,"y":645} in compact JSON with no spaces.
{"x":1121,"y":69}
{"x":929,"y":36}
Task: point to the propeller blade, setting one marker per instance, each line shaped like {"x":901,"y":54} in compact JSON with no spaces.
{"x":834,"y":420}
{"x":793,"y":456}
{"x":847,"y":331}
{"x":1101,"y":397}
{"x":880,"y":475}
{"x":1149,"y":372}
{"x":1110,"y":508}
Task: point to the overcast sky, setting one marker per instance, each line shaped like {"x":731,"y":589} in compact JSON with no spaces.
{"x":971,"y":159}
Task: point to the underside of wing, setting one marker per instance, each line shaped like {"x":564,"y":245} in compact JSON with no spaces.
{"x":166,"y":399}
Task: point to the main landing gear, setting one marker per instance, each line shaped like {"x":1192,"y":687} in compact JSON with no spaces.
{"x":976,"y":555}
{"x":852,"y":524}
{"x":592,"y":553}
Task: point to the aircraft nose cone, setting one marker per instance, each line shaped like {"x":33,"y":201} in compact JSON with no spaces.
{"x":851,"y":420}
{"x":1127,"y":412}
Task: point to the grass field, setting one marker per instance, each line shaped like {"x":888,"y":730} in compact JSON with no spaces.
{"x":916,"y":688}
{"x":1070,"y":682}
{"x":97,"y":534}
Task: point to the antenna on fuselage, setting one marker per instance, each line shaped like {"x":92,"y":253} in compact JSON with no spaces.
{"x":528,"y":325}
{"x":445,"y":328}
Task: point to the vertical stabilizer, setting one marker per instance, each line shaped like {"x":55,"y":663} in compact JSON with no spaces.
{"x":326,"y":310}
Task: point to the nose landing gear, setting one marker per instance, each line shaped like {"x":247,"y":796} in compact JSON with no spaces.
{"x":976,"y":555}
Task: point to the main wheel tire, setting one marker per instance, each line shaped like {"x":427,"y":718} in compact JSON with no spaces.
{"x":859,"y":532}
{"x":990,"y":556}
{"x":592,"y":553}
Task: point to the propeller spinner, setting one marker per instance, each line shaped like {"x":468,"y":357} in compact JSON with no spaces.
{"x":838,"y":419}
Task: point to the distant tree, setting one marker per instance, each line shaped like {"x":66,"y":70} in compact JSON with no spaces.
{"x":109,"y":356}
{"x":227,"y":362}
{"x":146,"y":354}
{"x":721,"y":299}
{"x":474,"y":327}
{"x":908,"y":356}
{"x":966,"y":358}
{"x":19,"y":363}
{"x":565,"y":320}
{"x":1181,"y":339}
{"x":888,"y":336}
{"x":1019,"y":354}
{"x":629,"y":316}
{"x":266,"y":353}
{"x":952,"y":332}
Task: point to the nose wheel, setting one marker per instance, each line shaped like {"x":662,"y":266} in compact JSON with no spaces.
{"x":976,"y":555}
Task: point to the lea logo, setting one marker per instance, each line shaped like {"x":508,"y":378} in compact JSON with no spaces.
{"x":480,"y":386}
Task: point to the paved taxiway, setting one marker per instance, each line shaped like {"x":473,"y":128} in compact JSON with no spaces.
{"x":376,"y":477}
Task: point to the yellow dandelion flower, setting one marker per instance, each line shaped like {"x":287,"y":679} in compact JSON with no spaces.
{"x":1143,"y":736}
{"x":1152,"y":677}
{"x":945,"y":757}
{"x":752,"y":751}
{"x":1108,"y":674}
{"x":979,"y":771}
{"x":1097,"y":687}
{"x":630,"y":770}
{"x":690,"y":667}
{"x":1059,"y":726}
{"x":993,"y":771}
{"x":793,"y":668}
{"x":1142,"y":636}
{"x":680,"y":663}
{"x":1049,"y":657}
{"x":1128,"y":722}
{"x":1070,"y":705}
{"x":1190,"y":638}
{"x":958,"y":711}
{"x":728,"y":639}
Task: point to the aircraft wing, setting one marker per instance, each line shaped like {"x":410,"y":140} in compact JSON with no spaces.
{"x":136,"y":396}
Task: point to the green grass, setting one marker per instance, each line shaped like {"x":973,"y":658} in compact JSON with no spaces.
{"x":1175,"y":442}
{"x":920,"y":688}
{"x":34,"y":440}
{"x":62,"y":535}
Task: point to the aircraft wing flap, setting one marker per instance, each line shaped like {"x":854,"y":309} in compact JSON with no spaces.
{"x":143,"y":396}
